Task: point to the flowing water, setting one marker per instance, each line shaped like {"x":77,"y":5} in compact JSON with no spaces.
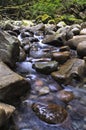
{"x":25,"y":118}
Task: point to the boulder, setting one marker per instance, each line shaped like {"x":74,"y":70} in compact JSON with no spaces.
{"x":12,"y":85}
{"x":73,"y":68}
{"x":81,"y":49}
{"x":61,"y":57}
{"x":54,"y":39}
{"x":46,"y":67}
{"x":83,"y":31}
{"x":9,"y":48}
{"x":50,"y":113}
{"x":73,"y":43}
{"x":6,"y":112}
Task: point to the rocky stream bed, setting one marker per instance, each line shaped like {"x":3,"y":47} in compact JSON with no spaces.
{"x":43,"y":76}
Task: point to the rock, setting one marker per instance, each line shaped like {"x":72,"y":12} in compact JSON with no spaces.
{"x":12,"y":85}
{"x":65,"y":96}
{"x":61,"y":57}
{"x":55,"y":40}
{"x":73,"y":68}
{"x":38,"y":27}
{"x":61,"y":24}
{"x":9,"y":109}
{"x":9,"y":48}
{"x":81,"y":49}
{"x":46,"y":67}
{"x":50,"y":113}
{"x":2,"y":117}
{"x":64,"y":48}
{"x":65,"y":33}
{"x":44,"y":90}
{"x":6,"y":112}
{"x":83,"y":31}
{"x":27,"y":23}
{"x":76,"y":31}
{"x":73,"y":43}
{"x":22,"y":55}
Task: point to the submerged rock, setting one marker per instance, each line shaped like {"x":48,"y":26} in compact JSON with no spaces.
{"x":50,"y":113}
{"x":65,"y":96}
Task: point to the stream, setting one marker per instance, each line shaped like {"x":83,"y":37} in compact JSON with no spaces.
{"x":44,"y":90}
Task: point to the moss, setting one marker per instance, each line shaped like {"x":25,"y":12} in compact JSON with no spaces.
{"x":46,"y":18}
{"x":70,"y":19}
{"x":51,"y":21}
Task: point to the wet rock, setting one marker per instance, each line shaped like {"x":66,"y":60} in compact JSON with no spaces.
{"x":9,"y":48}
{"x":44,"y":90}
{"x":12,"y":85}
{"x":50,"y":113}
{"x":54,"y":87}
{"x":61,"y":57}
{"x":46,"y":67}
{"x":22,"y":56}
{"x":65,"y":96}
{"x":64,"y":48}
{"x":54,"y":40}
{"x":83,"y":31}
{"x":73,"y":43}
{"x":81,"y":49}
{"x":25,"y":41}
{"x":73,"y":68}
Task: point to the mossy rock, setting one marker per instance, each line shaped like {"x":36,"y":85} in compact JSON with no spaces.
{"x":58,"y":19}
{"x":27,"y":23}
{"x":71,"y":19}
{"x":46,"y":18}
{"x":51,"y":21}
{"x":39,"y":18}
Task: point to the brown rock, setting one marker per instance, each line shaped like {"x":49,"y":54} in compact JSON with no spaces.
{"x":12,"y":85}
{"x":5,"y":112}
{"x":81,"y":49}
{"x":73,"y":68}
{"x":65,"y":96}
{"x":50,"y":113}
{"x":61,"y":57}
{"x":73,"y":43}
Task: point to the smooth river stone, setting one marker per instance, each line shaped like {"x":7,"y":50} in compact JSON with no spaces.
{"x":65,"y":96}
{"x":50,"y":113}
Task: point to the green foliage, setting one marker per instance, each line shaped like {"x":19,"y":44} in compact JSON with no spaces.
{"x":32,"y":9}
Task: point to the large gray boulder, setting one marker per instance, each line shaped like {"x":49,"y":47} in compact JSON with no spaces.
{"x":9,"y":48}
{"x":73,"y":42}
{"x":12,"y":85}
